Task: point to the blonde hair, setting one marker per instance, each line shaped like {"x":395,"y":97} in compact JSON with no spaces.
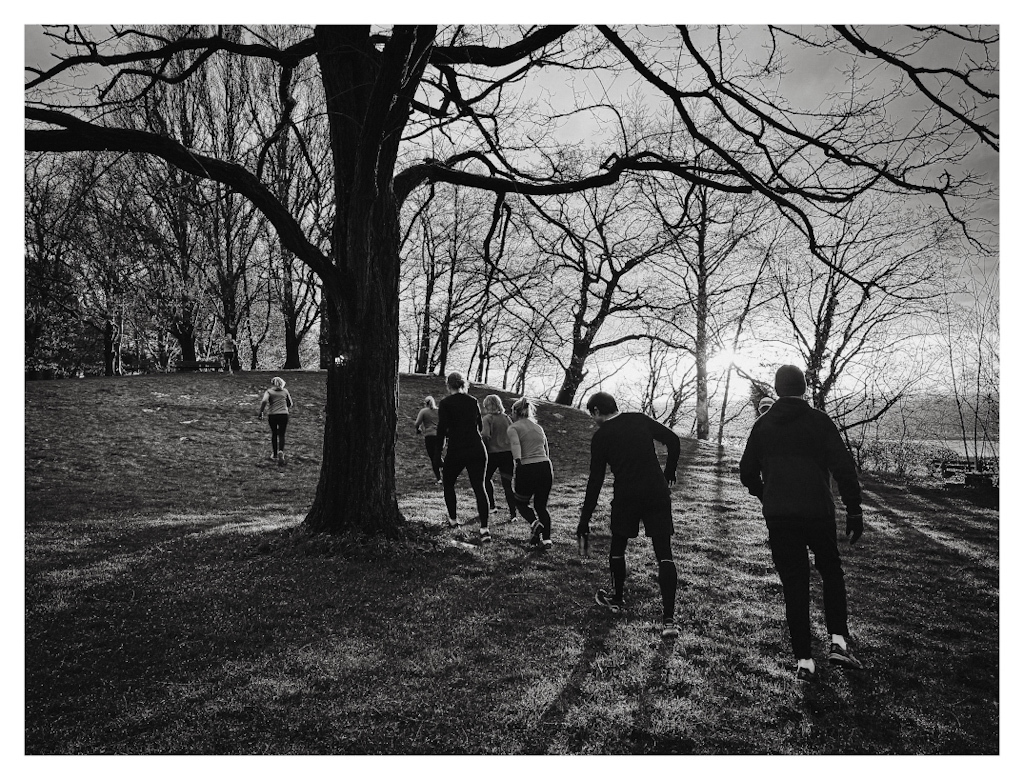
{"x":430,"y":402}
{"x":277,"y":382}
{"x":524,"y":407}
{"x":492,"y":404}
{"x":457,"y":382}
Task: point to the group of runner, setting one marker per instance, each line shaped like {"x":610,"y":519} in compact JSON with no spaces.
{"x":791,"y":455}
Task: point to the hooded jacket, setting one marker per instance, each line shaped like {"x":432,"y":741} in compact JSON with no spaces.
{"x":791,"y":450}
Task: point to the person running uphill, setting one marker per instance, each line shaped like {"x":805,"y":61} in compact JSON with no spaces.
{"x":426,"y":423}
{"x":279,"y":401}
{"x":499,"y":451}
{"x":625,"y":442}
{"x":790,"y":452}
{"x":533,"y":473}
{"x":458,"y":422}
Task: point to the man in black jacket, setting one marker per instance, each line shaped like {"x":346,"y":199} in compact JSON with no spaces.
{"x":625,"y":442}
{"x":791,"y":451}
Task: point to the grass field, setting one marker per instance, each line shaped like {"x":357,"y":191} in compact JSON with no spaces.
{"x":172,"y":608}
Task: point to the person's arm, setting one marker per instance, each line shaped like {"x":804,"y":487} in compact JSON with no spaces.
{"x":844,"y":470}
{"x":442,"y":424}
{"x":517,"y":448}
{"x":419,"y":420}
{"x":264,"y":402}
{"x":750,"y":466}
{"x":595,"y":482}
{"x":667,"y":437}
{"x":485,"y":430}
{"x":288,"y":398}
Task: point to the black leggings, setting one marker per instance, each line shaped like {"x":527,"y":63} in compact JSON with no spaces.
{"x":278,"y":423}
{"x":503,"y":463}
{"x":534,"y":480}
{"x":434,"y":453}
{"x":474,"y":461}
{"x":667,"y":576}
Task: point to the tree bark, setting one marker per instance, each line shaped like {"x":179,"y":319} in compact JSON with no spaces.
{"x":364,"y":90}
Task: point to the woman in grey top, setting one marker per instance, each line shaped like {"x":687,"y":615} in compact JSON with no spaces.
{"x":426,"y":423}
{"x":534,"y":476}
{"x":499,"y":451}
{"x":279,"y":401}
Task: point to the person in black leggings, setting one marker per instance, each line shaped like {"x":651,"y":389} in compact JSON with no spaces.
{"x":459,"y":423}
{"x":279,"y":402}
{"x":641,"y":494}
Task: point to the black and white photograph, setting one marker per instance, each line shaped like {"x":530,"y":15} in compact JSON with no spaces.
{"x":493,"y":389}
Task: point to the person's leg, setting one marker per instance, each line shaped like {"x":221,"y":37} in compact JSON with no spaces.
{"x":275,"y":432}
{"x":545,"y":479}
{"x":789,"y":552}
{"x":833,"y":583}
{"x":282,"y":427}
{"x":450,"y":471}
{"x":667,"y":576}
{"x":522,"y":492}
{"x":492,"y":466}
{"x":476,"y":465}
{"x":617,"y":564}
{"x":433,"y":450}
{"x":506,"y":467}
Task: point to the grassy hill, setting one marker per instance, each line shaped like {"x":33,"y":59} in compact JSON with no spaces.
{"x":171,"y":608}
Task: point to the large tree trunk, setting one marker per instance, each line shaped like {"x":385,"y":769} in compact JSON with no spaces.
{"x":574,"y":374}
{"x":357,"y":474}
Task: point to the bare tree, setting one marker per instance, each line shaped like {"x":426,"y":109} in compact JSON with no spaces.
{"x":418,"y":82}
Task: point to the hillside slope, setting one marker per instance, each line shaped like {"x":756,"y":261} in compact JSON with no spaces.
{"x":169,"y":608}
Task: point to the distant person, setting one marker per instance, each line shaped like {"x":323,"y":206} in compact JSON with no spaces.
{"x":533,"y":473}
{"x":764,"y":405}
{"x":786,"y":464}
{"x":228,"y":348}
{"x":458,"y":422}
{"x":426,"y":424}
{"x":625,"y":442}
{"x":499,"y":451}
{"x":279,"y":402}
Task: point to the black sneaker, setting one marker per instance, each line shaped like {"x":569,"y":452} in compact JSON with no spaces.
{"x":610,"y":602}
{"x":843,"y":657}
{"x":485,"y":536}
{"x":669,"y":630}
{"x":803,"y":674}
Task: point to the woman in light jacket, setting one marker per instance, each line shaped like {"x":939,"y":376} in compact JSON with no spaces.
{"x":533,"y":472}
{"x":279,"y":400}
{"x":499,"y":451}
{"x":426,"y":423}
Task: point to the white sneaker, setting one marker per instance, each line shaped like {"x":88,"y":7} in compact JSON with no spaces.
{"x":281,"y":458}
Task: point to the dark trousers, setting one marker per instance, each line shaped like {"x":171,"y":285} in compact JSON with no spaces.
{"x":434,"y":453}
{"x":534,"y":480}
{"x":474,"y":461}
{"x":790,"y":542}
{"x":503,"y":463}
{"x":278,"y":424}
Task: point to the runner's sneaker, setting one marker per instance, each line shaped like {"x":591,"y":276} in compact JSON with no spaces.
{"x":612,"y":603}
{"x":453,"y":522}
{"x":843,"y":657}
{"x":803,"y":674}
{"x":545,"y":544}
{"x":669,"y":630}
{"x":280,"y":458}
{"x":273,"y":456}
{"x":537,"y":527}
{"x":485,"y":536}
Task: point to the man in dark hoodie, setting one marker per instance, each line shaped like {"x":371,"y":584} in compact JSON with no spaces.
{"x":791,"y":450}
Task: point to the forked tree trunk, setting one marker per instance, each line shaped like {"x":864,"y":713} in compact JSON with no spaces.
{"x":357,"y":474}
